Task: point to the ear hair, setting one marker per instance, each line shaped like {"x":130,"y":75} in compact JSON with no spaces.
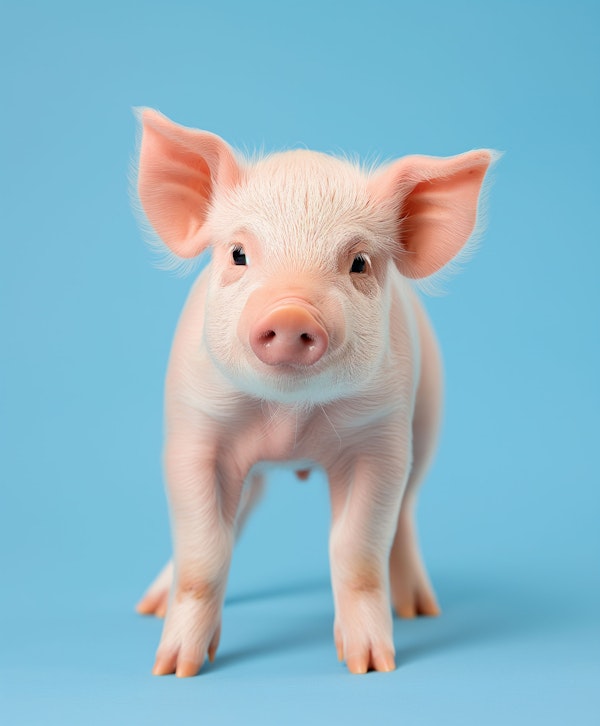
{"x":165,"y":258}
{"x":434,"y":285}
{"x":178,"y":173}
{"x":435,"y":203}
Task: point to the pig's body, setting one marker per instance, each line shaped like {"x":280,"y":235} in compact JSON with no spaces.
{"x":301,"y":343}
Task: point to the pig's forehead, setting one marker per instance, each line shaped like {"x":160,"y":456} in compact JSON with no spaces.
{"x":306,"y":167}
{"x":300,"y":193}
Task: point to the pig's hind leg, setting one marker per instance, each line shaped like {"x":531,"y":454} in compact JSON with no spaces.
{"x":412,"y":593}
{"x":156,"y":598}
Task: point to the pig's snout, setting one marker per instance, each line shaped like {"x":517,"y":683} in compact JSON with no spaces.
{"x":290,"y":335}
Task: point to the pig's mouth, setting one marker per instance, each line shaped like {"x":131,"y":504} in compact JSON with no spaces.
{"x":290,"y":369}
{"x":295,"y":371}
{"x":294,"y":381}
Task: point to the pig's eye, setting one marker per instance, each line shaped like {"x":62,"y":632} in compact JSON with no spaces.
{"x":359,"y":264}
{"x":239,"y":256}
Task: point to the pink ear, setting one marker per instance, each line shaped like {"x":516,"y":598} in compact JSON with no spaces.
{"x":436,"y":203}
{"x":179,"y":171}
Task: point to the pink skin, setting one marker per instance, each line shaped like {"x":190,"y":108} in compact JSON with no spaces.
{"x":288,"y":335}
{"x":316,"y":352}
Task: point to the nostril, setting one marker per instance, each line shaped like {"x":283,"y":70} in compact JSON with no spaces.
{"x":288,"y":335}
{"x":267,"y":336}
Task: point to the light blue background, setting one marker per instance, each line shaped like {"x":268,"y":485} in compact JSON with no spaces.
{"x":509,"y":515}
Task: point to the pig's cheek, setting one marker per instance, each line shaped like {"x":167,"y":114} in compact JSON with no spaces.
{"x":222,"y":316}
{"x":219,"y":339}
{"x":368,"y":342}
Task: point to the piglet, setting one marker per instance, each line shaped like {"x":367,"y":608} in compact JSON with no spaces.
{"x":302,"y":342}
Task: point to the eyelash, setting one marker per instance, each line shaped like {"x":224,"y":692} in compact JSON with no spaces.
{"x":363,"y":263}
{"x":239,"y":251}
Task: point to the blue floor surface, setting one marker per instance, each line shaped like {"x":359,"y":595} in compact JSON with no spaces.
{"x":506,"y":650}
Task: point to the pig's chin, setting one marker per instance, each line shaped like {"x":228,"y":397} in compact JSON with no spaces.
{"x":291,"y":383}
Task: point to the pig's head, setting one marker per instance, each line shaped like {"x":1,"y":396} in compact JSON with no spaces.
{"x":297,"y":307}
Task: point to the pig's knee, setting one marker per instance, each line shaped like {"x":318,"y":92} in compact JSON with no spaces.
{"x":196,"y":588}
{"x":354,"y":570}
{"x":362,"y":579}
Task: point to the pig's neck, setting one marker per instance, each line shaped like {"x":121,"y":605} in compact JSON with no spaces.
{"x":272,"y":431}
{"x":285,"y":429}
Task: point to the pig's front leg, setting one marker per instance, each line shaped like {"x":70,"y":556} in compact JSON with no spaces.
{"x":365,"y":495}
{"x":203,"y":498}
{"x":156,"y":598}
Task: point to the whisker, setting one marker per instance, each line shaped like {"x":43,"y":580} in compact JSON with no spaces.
{"x":332,"y":426}
{"x":271,"y":416}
